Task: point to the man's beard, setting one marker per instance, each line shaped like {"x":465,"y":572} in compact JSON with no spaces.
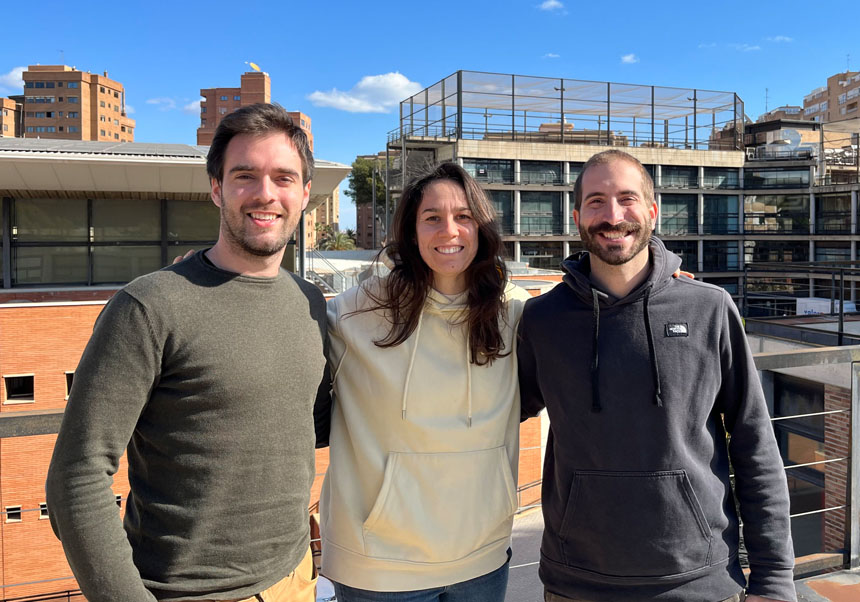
{"x":613,"y":253}
{"x":239,"y":239}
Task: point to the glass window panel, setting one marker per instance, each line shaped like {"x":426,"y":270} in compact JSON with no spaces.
{"x":679,"y":176}
{"x":776,"y":178}
{"x":122,"y":264}
{"x":122,"y":219}
{"x":540,"y":212}
{"x":721,"y":177}
{"x":540,"y":172}
{"x":192,"y":221}
{"x":503,"y":202}
{"x":833,"y":251}
{"x":720,"y":255}
{"x":55,"y":220}
{"x":490,"y":170}
{"x":50,"y":265}
{"x":782,"y":251}
{"x":679,"y":214}
{"x":776,"y":213}
{"x":546,"y":255}
{"x":729,"y":284}
{"x":688,"y":251}
{"x":721,"y":214}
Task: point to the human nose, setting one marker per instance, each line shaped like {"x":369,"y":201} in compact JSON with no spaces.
{"x":615,"y":211}
{"x":450,"y":227}
{"x":266,"y":190}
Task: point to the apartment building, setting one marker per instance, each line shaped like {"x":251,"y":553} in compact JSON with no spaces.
{"x":10,"y":118}
{"x":836,"y":100}
{"x":783,"y":112}
{"x":63,"y":103}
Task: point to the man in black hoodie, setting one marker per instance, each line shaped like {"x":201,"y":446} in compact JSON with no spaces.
{"x":644,"y":374}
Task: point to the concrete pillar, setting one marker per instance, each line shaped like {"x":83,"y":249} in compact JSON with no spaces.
{"x":811,"y":215}
{"x":658,"y":176}
{"x":700,"y":253}
{"x":517,"y":251}
{"x":701,"y":212}
{"x":853,"y":216}
{"x":659,"y":228}
{"x":565,"y":249}
{"x":741,"y":178}
{"x":701,"y":181}
{"x":565,"y":176}
{"x":853,"y":255}
{"x":566,"y":211}
{"x":516,"y":171}
{"x":517,"y":228}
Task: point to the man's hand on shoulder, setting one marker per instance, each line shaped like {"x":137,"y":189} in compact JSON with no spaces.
{"x":754,"y":598}
{"x":179,"y":258}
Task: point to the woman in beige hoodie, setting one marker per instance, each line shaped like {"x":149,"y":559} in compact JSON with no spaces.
{"x":419,"y":497}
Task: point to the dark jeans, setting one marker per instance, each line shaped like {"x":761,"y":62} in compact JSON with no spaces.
{"x":551,"y":597}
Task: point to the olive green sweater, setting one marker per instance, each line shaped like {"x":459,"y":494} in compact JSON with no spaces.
{"x":209,"y":379}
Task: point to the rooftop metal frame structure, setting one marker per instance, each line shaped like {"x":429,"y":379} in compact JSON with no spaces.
{"x":495,"y":106}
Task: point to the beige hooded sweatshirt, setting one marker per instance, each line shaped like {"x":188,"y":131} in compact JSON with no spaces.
{"x":421,"y":487}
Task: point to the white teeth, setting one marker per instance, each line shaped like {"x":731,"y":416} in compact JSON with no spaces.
{"x":266,"y":217}
{"x":449,"y":250}
{"x":614,"y":235}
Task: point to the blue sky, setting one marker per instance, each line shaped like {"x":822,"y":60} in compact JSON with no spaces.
{"x":347,"y":64}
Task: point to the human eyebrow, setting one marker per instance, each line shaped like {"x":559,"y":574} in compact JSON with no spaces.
{"x":240,"y":167}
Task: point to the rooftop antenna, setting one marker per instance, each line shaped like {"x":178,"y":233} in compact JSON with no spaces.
{"x":253,"y":66}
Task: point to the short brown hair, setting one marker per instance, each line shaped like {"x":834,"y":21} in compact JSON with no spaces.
{"x":606,"y":157}
{"x":258,"y":119}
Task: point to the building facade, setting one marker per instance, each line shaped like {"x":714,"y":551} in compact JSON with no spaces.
{"x":62,"y":103}
{"x":836,"y":100}
{"x":10,"y":118}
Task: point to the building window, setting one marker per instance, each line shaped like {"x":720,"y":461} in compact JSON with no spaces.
{"x":777,"y":213}
{"x":488,"y":170}
{"x":60,"y":128}
{"x":688,"y":251}
{"x":678,"y":176}
{"x":540,"y":172}
{"x":13,"y":514}
{"x":503,"y":202}
{"x":720,"y":255}
{"x":102,"y":89}
{"x":116,"y":94}
{"x":776,"y":178}
{"x":72,"y":85}
{"x":74,"y":129}
{"x":116,"y":136}
{"x":116,"y":108}
{"x":102,"y":103}
{"x":116,"y":121}
{"x":679,"y":214}
{"x":102,"y":133}
{"x":721,"y":214}
{"x":540,"y":213}
{"x":19,"y":388}
{"x":202,"y":109}
{"x":73,"y":114}
{"x":222,"y":110}
{"x":237,"y":98}
{"x":43,"y":511}
{"x":70,"y":378}
{"x":72,"y":99}
{"x":101,"y":117}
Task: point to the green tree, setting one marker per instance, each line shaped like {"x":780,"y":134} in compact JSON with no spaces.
{"x":338,"y":241}
{"x":360,"y":188}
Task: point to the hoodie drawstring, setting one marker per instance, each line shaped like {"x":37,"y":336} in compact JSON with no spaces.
{"x":595,"y":358}
{"x":655,"y":369}
{"x":468,"y":384}
{"x":409,"y":369}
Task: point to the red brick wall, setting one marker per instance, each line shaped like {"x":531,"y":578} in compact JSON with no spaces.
{"x":48,"y":341}
{"x":837,"y":444}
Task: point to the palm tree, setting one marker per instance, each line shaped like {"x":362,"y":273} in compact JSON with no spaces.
{"x":338,"y":241}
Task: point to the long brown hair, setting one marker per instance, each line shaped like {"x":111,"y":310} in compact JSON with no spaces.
{"x":406,"y":287}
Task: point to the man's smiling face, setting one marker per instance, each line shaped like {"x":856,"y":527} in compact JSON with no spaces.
{"x":615,"y":218}
{"x":262,"y":195}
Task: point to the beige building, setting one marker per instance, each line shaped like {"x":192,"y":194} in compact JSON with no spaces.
{"x":835,"y":101}
{"x":10,"y":118}
{"x":783,"y":112}
{"x":62,"y":103}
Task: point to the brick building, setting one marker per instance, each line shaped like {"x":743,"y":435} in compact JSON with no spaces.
{"x":10,"y":118}
{"x":836,"y":100}
{"x":62,"y":103}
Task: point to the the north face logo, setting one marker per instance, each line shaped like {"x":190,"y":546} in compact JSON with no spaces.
{"x":676,"y":330}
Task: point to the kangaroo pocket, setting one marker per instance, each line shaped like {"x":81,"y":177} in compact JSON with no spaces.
{"x":441,"y":507}
{"x":634,"y":524}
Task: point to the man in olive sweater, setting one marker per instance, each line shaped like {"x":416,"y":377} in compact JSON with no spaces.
{"x":208,"y":373}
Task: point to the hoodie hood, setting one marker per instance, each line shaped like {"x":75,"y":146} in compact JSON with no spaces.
{"x":664,"y":266}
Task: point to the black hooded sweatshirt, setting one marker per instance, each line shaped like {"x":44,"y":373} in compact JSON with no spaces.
{"x":641,"y":392}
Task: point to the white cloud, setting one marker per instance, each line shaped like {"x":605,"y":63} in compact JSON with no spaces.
{"x":129,"y":110}
{"x":551,"y":5}
{"x":373,"y":94}
{"x":192,"y":108}
{"x":629,"y":59}
{"x":705,"y":45}
{"x":163,"y":103}
{"x":780,"y":39}
{"x":13,"y":82}
{"x":744,"y":47}
{"x":551,"y":55}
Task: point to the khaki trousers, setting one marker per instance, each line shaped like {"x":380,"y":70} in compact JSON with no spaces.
{"x":298,"y":586}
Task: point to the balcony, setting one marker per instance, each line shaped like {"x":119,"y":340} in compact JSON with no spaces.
{"x":776,"y":223}
{"x":721,"y":222}
{"x":833,"y":222}
{"x":540,"y":226}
